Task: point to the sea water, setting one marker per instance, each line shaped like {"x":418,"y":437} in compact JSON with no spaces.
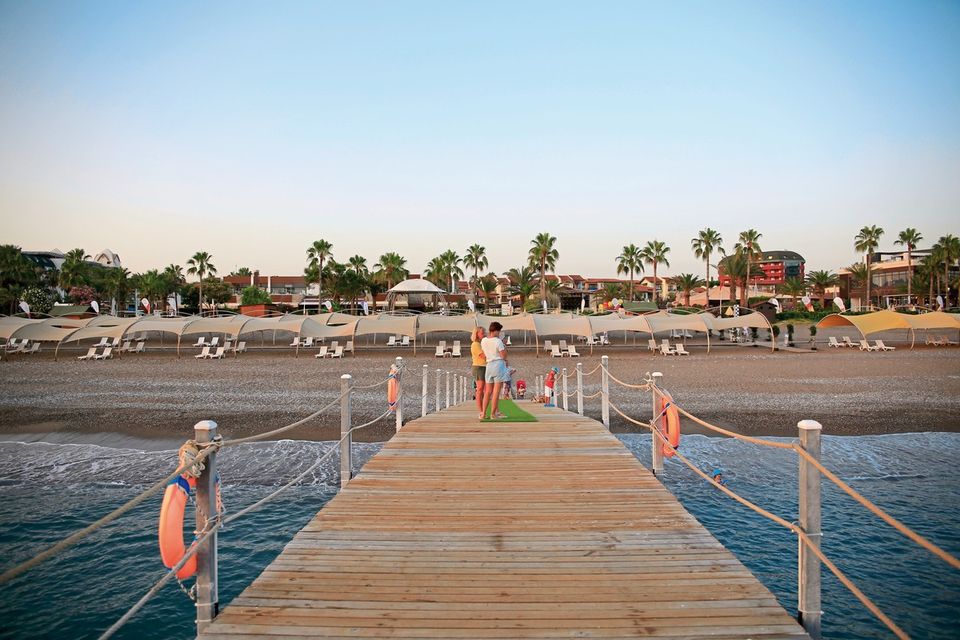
{"x":48,"y":491}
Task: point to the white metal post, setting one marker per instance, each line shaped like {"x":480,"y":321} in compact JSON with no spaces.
{"x":656,"y":445}
{"x":447,"y":405}
{"x":808,"y":588}
{"x":346,"y":439}
{"x":605,"y":391}
{"x":423,"y":391}
{"x":437,"y":404}
{"x":208,"y":598}
{"x":580,"y":388}
{"x":399,"y":392}
{"x":566,"y":404}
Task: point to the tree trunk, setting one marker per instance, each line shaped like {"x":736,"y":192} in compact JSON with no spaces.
{"x":656,"y":283}
{"x":706,"y":299}
{"x":909,"y":274}
{"x":866,"y":261}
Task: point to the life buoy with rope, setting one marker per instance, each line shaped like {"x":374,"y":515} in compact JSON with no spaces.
{"x":393,"y":387}
{"x":668,"y":424}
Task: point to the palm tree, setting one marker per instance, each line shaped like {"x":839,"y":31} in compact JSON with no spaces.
{"x":611,"y":290}
{"x":795,"y":288}
{"x":543,"y":256}
{"x":117,"y":282}
{"x":174,"y":273}
{"x":488,"y":285}
{"x":391,"y":269}
{"x":73,"y":271}
{"x":859,"y":273}
{"x":707,"y":241}
{"x":748,"y":243}
{"x":867,"y":242}
{"x":359,"y":265}
{"x":687,"y":282}
{"x":820,"y":281}
{"x":737,"y":267}
{"x":655,"y":253}
{"x":435,"y":271}
{"x":949,"y":246}
{"x":522,"y":283}
{"x":630,"y":261}
{"x":476,"y":258}
{"x":153,"y":286}
{"x":452,"y":272}
{"x":909,"y":238}
{"x":317,"y":254}
{"x":201,"y":265}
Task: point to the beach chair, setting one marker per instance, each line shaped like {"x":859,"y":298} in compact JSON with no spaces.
{"x":405,"y":342}
{"x":203,"y":354}
{"x":591,"y":341}
{"x":865,"y":346}
{"x":126,"y":348}
{"x":563,"y":347}
{"x":456,"y":344}
{"x":572,"y":351}
{"x":456,"y":349}
{"x":337,"y":353}
{"x":680,"y":350}
{"x":35,"y":347}
{"x":219,"y":354}
{"x":141,"y":347}
{"x":833,"y":342}
{"x":106,"y":355}
{"x":91,"y":352}
{"x":241,"y":347}
{"x":508,"y":342}
{"x":349,"y":346}
{"x":439,"y":352}
{"x":882,"y":347}
{"x":322,"y":353}
{"x":847,"y":342}
{"x":555,"y":351}
{"x":307,"y":343}
{"x":116,"y":343}
{"x":442,"y":344}
{"x":296,"y":342}
{"x":652,"y":345}
{"x":392,"y":341}
{"x":604,"y":338}
{"x":547,"y":345}
{"x":103,"y":343}
{"x":215,"y":342}
{"x":666,"y":349}
{"x":13,"y":345}
{"x":947,"y":342}
{"x":201,"y":342}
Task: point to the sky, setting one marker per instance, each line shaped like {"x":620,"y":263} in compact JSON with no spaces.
{"x":251,"y":129}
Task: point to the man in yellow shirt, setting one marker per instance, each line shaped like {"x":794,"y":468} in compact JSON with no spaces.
{"x":478,"y":364}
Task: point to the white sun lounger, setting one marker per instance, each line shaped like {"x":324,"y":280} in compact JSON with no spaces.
{"x":337,"y":353}
{"x":456,"y":350}
{"x":405,"y":342}
{"x":882,"y":347}
{"x":572,"y":351}
{"x":307,"y":343}
{"x":219,"y":354}
{"x":104,"y":342}
{"x":241,"y":347}
{"x":652,"y":345}
{"x":35,"y":347}
{"x":832,"y":342}
{"x":847,"y":342}
{"x":202,"y":342}
{"x":865,"y":346}
{"x":666,"y":350}
{"x":349,"y":346}
{"x":334,"y":345}
{"x":203,"y":354}
{"x":508,"y":342}
{"x":392,"y":341}
{"x":91,"y":352}
{"x":322,"y":353}
{"x":106,"y":355}
{"x":440,"y":352}
{"x":681,"y":351}
{"x":555,"y":351}
{"x":141,"y":347}
{"x":547,"y":345}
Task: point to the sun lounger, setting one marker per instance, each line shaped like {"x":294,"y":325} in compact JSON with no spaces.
{"x":334,"y":345}
{"x":91,"y":352}
{"x":349,"y":346}
{"x":106,"y":355}
{"x":666,"y":350}
{"x":442,"y":344}
{"x":392,"y":341}
{"x":103,"y":343}
{"x":337,"y":353}
{"x":832,"y":342}
{"x":456,"y":350}
{"x":215,"y":341}
{"x":307,"y":343}
{"x":296,"y":342}
{"x":652,"y":345}
{"x":241,"y":347}
{"x":882,"y":347}
{"x":604,"y":338}
{"x":116,"y":343}
{"x":202,"y":342}
{"x":203,"y":354}
{"x":508,"y":342}
{"x":35,"y":347}
{"x":847,"y":342}
{"x":322,"y":353}
{"x":141,"y":347}
{"x":547,"y":345}
{"x":219,"y":354}
{"x":555,"y":351}
{"x":440,"y":352}
{"x":405,"y":342}
{"x":126,"y":348}
{"x":591,"y":341}
{"x":865,"y":346}
{"x":572,"y":352}
{"x":681,"y":351}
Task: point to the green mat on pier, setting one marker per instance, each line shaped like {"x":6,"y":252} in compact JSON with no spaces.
{"x":511,"y":413}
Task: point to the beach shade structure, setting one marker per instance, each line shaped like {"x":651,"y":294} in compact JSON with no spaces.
{"x":176,"y":326}
{"x":336,"y":317}
{"x":751,"y":320}
{"x":50,"y":330}
{"x":435,"y":322}
{"x":886,"y":320}
{"x":387,"y":323}
{"x":105,"y":326}
{"x":418,"y":292}
{"x":560,"y":325}
{"x":10,"y":324}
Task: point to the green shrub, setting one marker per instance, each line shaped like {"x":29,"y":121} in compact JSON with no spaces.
{"x":254,"y":295}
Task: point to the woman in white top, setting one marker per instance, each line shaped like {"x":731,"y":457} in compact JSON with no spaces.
{"x":497,"y":371}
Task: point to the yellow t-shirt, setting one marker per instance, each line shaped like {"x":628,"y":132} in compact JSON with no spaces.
{"x":479,"y":360}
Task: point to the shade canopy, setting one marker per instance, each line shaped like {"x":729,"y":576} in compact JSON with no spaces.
{"x":519,"y":322}
{"x":887,"y":320}
{"x":430,"y":322}
{"x":10,"y":324}
{"x":557,"y":325}
{"x":415,"y":285}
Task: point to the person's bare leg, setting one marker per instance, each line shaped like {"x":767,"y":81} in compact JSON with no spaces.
{"x":496,"y":398}
{"x":479,"y":395}
{"x":487,"y":388}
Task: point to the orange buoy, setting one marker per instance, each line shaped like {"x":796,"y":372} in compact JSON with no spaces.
{"x":172,"y":546}
{"x":393,"y":388}
{"x":669,"y":423}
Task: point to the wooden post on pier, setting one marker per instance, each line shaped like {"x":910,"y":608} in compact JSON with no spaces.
{"x":656,"y":444}
{"x":208,"y":598}
{"x":437,"y":405}
{"x":346,"y":439}
{"x":423,"y":391}
{"x":808,"y":588}
{"x":447,"y":404}
{"x":399,"y":392}
{"x":605,"y":391}
{"x":566,"y":403}
{"x":580,"y":388}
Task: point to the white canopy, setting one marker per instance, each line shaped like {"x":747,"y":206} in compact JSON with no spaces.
{"x":415,"y":285}
{"x":386,"y":323}
{"x":10,"y":324}
{"x":50,"y":329}
{"x":519,"y":322}
{"x":554,"y":325}
{"x":429,"y":322}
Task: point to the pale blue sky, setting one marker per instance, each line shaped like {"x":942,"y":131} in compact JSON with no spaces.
{"x":250,"y":129}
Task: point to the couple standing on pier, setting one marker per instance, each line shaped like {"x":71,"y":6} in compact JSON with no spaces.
{"x":490,"y":371}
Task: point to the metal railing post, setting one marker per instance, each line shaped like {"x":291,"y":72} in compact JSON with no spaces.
{"x":399,"y":392}
{"x":466,"y":389}
{"x":605,"y":391}
{"x":423,"y":393}
{"x":437,"y":405}
{"x":208,"y":597}
{"x":346,"y":442}
{"x":580,"y":388}
{"x":566,"y":403}
{"x":656,"y":445}
{"x":447,"y":405}
{"x":808,"y":587}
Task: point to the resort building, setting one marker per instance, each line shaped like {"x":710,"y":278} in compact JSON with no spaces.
{"x":54,"y":259}
{"x":889,"y":274}
{"x":291,"y":290}
{"x":776,"y":267}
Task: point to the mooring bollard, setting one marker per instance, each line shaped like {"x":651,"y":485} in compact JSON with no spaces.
{"x":346,"y":439}
{"x":399,"y":392}
{"x":808,"y":596}
{"x":566,"y":404}
{"x":656,"y":445}
{"x":580,"y":388}
{"x":423,"y":392}
{"x":605,"y":391}
{"x":437,"y":404}
{"x":447,"y":405}
{"x":208,"y":598}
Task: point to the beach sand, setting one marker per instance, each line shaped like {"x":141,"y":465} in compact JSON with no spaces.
{"x":750,"y":390}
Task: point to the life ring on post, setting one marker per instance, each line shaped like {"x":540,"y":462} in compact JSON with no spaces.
{"x":668,"y":424}
{"x":393,"y":388}
{"x":172,"y":510}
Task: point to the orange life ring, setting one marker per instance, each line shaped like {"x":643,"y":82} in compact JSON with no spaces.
{"x":669,"y":423}
{"x":172,"y":546}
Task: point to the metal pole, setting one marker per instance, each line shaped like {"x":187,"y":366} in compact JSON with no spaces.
{"x":447,"y":405}
{"x":808,"y":588}
{"x":566,"y":403}
{"x":605,"y":391}
{"x":437,"y":405}
{"x":423,"y":399}
{"x":656,"y":446}
{"x":208,"y":598}
{"x":346,"y":442}
{"x":399,"y":392}
{"x":580,"y":388}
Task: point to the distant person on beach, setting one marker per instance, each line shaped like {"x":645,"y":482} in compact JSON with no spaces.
{"x":497,"y":371}
{"x":549,"y":384}
{"x":479,"y":365}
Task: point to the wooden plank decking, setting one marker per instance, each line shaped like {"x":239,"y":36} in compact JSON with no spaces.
{"x":458,"y":529}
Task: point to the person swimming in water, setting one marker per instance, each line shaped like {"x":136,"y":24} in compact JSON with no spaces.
{"x":717,"y":476}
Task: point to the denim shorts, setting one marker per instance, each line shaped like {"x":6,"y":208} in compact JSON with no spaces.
{"x":497,"y":372}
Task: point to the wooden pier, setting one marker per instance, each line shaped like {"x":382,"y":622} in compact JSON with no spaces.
{"x":462,"y":529}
